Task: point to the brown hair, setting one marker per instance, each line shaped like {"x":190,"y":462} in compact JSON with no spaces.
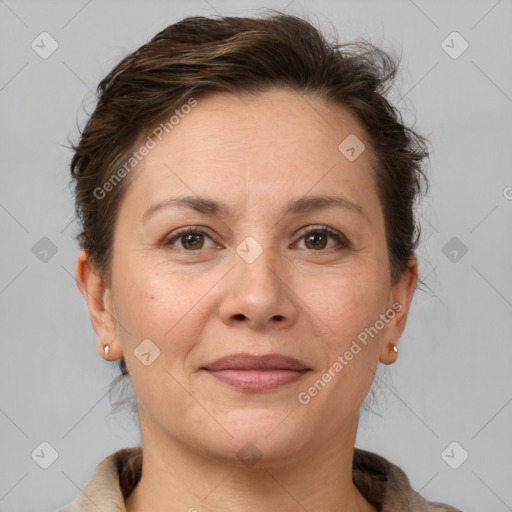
{"x":198,"y":56}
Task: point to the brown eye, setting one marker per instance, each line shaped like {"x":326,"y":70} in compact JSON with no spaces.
{"x":191,"y":238}
{"x":316,"y":238}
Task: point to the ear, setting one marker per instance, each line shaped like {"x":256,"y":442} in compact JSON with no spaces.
{"x":400,"y":298}
{"x":100,"y":305}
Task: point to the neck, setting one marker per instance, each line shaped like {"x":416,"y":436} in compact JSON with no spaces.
{"x":175,"y":477}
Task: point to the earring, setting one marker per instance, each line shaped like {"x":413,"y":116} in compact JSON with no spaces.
{"x":395,"y":348}
{"x":107,"y":350}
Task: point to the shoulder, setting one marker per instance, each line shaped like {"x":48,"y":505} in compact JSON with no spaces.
{"x":386,"y":485}
{"x":111,"y":481}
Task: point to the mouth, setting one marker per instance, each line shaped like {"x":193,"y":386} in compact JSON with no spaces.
{"x":257,"y":373}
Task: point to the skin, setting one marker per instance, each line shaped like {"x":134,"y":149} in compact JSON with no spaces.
{"x":255,"y":153}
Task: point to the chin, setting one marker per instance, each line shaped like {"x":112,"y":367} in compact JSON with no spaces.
{"x":256,"y":440}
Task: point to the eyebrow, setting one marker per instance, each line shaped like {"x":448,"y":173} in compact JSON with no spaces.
{"x":216,"y":208}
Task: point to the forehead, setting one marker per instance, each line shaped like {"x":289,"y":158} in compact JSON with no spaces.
{"x":254,"y":149}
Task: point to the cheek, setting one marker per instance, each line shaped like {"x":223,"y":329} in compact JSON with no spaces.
{"x":164,"y":307}
{"x":347,"y":303}
{"x":349,"y":308}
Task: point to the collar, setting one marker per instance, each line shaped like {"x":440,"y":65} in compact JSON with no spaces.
{"x":382,"y":483}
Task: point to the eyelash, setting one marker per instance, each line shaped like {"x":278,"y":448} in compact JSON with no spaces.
{"x":341,"y":239}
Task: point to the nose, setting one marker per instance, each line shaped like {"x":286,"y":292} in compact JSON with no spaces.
{"x":259,"y":294}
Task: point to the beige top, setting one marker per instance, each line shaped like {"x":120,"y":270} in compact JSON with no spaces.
{"x":382,"y":483}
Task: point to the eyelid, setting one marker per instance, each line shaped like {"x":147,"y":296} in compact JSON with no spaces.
{"x":320,"y":227}
{"x":333,"y":233}
{"x":180,"y":232}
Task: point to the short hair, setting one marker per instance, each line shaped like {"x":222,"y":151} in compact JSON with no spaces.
{"x":199,"y":56}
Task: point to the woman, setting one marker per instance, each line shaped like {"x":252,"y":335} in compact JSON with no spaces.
{"x":246,"y":196}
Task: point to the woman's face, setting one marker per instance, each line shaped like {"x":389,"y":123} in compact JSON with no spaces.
{"x":250,"y":279}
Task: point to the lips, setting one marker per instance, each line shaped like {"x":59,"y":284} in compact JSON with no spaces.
{"x":256,"y":373}
{"x":251,"y":362}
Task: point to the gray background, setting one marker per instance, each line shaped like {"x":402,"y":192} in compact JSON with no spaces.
{"x":452,"y":380}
